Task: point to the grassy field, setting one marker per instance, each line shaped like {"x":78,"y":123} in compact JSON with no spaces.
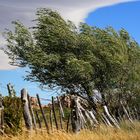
{"x":127,"y":132}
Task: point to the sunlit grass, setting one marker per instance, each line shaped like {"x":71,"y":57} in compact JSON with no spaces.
{"x":128,"y":131}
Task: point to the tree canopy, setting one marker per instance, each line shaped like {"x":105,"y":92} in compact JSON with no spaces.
{"x":77,"y":59}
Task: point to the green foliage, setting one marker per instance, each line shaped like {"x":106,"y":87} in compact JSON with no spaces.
{"x":12,"y":115}
{"x":75,"y":58}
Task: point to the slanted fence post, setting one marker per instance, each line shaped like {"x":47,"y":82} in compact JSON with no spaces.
{"x":32,"y":112}
{"x":53,"y":109}
{"x":68,"y":122}
{"x":38,"y":119}
{"x":43,"y":114}
{"x":26,"y":111}
{"x":51,"y":119}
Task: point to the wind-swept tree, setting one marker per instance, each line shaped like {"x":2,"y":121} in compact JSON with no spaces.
{"x":77,"y":59}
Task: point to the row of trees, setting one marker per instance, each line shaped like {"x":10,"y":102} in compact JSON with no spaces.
{"x":77,"y":59}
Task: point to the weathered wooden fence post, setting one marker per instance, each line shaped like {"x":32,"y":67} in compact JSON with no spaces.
{"x":61,"y":113}
{"x":1,"y":114}
{"x":75,"y":119}
{"x":53,"y":109}
{"x":42,"y":112}
{"x":51,"y":121}
{"x":26,"y":111}
{"x":68,"y":122}
{"x":38,"y":119}
{"x":32,"y":113}
{"x":11,"y":91}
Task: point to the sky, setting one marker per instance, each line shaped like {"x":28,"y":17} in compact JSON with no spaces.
{"x":101,"y":13}
{"x":126,"y":15}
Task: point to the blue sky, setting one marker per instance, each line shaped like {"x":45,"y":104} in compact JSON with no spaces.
{"x":124,"y":15}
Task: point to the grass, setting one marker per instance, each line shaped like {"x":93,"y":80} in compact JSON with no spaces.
{"x":128,"y":131}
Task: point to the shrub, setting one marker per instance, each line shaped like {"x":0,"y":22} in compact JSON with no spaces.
{"x":12,"y":115}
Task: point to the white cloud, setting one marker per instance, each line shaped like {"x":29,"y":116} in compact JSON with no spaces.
{"x":81,"y":10}
{"x":4,"y":62}
{"x":74,"y":10}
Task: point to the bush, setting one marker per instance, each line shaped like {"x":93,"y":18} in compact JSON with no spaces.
{"x":12,"y":115}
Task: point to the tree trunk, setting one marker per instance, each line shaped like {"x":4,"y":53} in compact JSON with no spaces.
{"x":89,"y":92}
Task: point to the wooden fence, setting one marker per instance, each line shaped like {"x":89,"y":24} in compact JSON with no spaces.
{"x":59,"y":117}
{"x":33,"y":114}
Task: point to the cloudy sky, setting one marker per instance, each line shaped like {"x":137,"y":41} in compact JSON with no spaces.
{"x":101,"y":13}
{"x":24,"y":10}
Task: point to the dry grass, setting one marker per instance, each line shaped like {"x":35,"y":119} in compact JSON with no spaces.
{"x":129,"y":132}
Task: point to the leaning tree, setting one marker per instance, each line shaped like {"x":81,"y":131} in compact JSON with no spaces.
{"x":77,"y":59}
